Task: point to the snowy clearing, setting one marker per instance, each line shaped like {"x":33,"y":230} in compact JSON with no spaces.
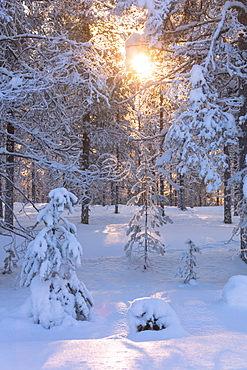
{"x":212,"y":334}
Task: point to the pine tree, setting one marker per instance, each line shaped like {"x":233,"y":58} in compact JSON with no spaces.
{"x":190,"y":262}
{"x":57,"y":295}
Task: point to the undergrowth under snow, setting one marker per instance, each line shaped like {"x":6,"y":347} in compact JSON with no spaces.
{"x":207,"y":326}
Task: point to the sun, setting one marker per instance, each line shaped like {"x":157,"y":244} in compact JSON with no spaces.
{"x":141,"y":65}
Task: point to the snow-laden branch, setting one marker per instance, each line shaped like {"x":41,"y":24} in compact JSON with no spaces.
{"x":228,"y":5}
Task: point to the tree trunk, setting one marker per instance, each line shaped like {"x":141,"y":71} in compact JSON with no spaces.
{"x":227,"y":190}
{"x":242,"y":44}
{"x":9,"y":193}
{"x":235,"y":185}
{"x":33,"y":189}
{"x":181,"y":194}
{"x":85,"y":164}
{"x":116,"y":198}
{"x":162,"y":186}
{"x":146,"y":236}
{"x":1,"y":197}
{"x":192,"y":196}
{"x":112,"y":194}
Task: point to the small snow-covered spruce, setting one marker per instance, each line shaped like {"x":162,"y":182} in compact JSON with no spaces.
{"x":144,"y":236}
{"x":57,"y":295}
{"x":189,"y":257}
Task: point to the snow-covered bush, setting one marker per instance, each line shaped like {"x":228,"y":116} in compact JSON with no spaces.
{"x":57,"y":295}
{"x":187,"y":271}
{"x":235,"y":291}
{"x":148,"y":316}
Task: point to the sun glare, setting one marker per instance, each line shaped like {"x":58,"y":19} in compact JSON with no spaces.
{"x":141,"y":65}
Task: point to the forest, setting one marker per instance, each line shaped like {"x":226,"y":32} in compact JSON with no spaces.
{"x":124,"y":102}
{"x":123,"y":164}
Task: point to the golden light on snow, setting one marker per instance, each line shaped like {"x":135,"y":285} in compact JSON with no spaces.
{"x":141,"y":65}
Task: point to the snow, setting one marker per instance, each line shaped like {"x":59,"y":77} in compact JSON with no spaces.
{"x":197,"y":75}
{"x":235,"y":291}
{"x":16,"y":81}
{"x":153,"y":311}
{"x":197,"y":95}
{"x":208,"y":330}
{"x":148,"y":4}
{"x":245,"y":186}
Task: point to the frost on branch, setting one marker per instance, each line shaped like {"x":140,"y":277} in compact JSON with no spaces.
{"x":187,"y":271}
{"x":57,"y":295}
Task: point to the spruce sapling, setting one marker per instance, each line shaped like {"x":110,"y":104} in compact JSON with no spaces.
{"x":187,"y":271}
{"x":143,"y":226}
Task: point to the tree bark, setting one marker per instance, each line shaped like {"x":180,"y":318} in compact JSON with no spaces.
{"x":227,"y":190}
{"x":85,"y":164}
{"x":162,"y":185}
{"x":9,"y":192}
{"x":181,"y":194}
{"x":1,"y":197}
{"x":33,"y":189}
{"x":242,"y":44}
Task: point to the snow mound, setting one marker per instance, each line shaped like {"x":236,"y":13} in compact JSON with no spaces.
{"x":153,"y":319}
{"x":235,"y":291}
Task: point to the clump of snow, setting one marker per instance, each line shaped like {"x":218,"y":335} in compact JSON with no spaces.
{"x":197,"y":95}
{"x":235,"y":291}
{"x":196,"y":75}
{"x":147,"y":317}
{"x":165,"y":158}
{"x":148,"y":4}
{"x":16,"y":81}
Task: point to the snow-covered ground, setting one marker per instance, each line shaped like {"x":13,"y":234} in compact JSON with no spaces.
{"x":209,"y":332}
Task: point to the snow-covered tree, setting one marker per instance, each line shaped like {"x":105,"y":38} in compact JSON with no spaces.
{"x":200,"y":129}
{"x":57,"y":295}
{"x":189,"y":257}
{"x":143,"y":226}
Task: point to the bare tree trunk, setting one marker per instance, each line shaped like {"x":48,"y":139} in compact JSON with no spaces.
{"x":181,"y":194}
{"x":227,"y":190}
{"x":116,"y":200}
{"x":1,"y":196}
{"x":192,"y":196}
{"x":146,"y":235}
{"x":112,"y":194}
{"x":33,"y":189}
{"x":235,"y":185}
{"x":85,"y":164}
{"x":9,"y":193}
{"x":162,"y":187}
{"x":242,"y":44}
